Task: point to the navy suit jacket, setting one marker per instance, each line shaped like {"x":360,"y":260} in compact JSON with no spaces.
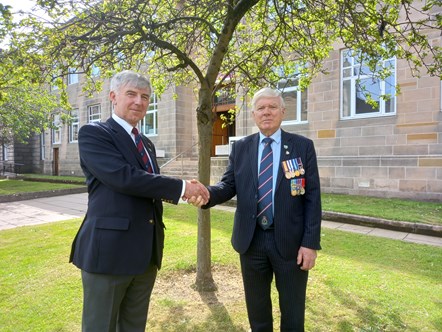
{"x":297,"y":219}
{"x":123,"y":228}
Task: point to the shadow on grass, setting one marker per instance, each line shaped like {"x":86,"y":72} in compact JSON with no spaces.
{"x":367,"y":316}
{"x":387,"y":254}
{"x":219,"y":320}
{"x":179,"y":320}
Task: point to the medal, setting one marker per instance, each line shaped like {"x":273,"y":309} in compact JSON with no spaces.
{"x":286,"y":169}
{"x":297,"y":187}
{"x":293,"y":188}
{"x":292,"y":168}
{"x":301,"y":167}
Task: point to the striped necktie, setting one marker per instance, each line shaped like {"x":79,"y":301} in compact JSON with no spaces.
{"x":142,"y":151}
{"x":265,"y":185}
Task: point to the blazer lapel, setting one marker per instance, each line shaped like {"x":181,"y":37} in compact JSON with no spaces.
{"x":125,"y":142}
{"x":253,"y":157}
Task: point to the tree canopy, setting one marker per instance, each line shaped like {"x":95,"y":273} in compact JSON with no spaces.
{"x":26,"y":103}
{"x":207,"y":43}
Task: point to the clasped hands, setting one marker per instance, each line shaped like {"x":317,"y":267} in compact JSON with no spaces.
{"x":196,"y":193}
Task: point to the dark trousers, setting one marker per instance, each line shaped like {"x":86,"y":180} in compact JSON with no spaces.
{"x":258,"y":265}
{"x":116,"y":303}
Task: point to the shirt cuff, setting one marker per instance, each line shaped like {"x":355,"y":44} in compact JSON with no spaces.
{"x":183,"y":190}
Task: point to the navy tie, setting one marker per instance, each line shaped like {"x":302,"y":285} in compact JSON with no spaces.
{"x":265,"y":185}
{"x":142,"y":151}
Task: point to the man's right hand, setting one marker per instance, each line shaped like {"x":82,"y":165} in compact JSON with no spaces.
{"x":197,"y":192}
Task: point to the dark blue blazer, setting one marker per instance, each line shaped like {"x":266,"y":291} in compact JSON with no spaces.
{"x":123,"y":228}
{"x":297,"y":219}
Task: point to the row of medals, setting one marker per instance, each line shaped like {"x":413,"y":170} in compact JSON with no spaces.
{"x":294,"y":168}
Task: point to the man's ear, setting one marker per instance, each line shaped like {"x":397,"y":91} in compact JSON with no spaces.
{"x":112,"y":97}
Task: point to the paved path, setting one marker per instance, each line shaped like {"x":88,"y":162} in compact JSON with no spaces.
{"x":50,"y":209}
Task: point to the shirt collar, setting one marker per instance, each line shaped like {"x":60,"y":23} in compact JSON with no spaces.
{"x":276,"y":136}
{"x":126,"y":126}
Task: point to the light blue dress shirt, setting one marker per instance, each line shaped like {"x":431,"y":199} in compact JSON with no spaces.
{"x":276,"y":148}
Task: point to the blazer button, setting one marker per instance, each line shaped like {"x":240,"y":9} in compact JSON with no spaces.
{"x":151,"y":221}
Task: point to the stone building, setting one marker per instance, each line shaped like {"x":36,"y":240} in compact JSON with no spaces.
{"x":392,"y":150}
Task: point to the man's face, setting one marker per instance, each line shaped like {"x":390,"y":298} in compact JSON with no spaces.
{"x":130,"y":103}
{"x":268,"y":114}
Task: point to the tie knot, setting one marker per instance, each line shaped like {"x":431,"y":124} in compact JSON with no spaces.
{"x":267,"y":140}
{"x":135,"y":131}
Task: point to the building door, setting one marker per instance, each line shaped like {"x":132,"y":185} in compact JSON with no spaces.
{"x":55,"y":169}
{"x":220,"y":135}
{"x":223,"y":102}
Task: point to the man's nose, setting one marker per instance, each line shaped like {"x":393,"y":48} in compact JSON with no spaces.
{"x":266,"y":110}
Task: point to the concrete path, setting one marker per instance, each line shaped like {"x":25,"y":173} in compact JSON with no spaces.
{"x":50,"y":209}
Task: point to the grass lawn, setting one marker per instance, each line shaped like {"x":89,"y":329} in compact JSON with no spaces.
{"x":10,"y":187}
{"x":360,"y":283}
{"x":386,"y":208}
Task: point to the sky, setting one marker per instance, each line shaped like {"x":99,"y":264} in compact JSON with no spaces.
{"x":25,"y":5}
{"x":18,"y":4}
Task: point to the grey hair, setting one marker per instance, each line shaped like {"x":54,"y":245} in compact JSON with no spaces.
{"x":265,"y":93}
{"x":131,"y":78}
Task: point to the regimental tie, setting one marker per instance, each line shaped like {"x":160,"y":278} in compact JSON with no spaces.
{"x":265,"y":184}
{"x":139,"y":143}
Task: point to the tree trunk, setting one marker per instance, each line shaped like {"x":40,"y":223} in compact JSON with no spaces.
{"x":204,"y":279}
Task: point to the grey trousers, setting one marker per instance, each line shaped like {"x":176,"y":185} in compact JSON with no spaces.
{"x":113,"y":303}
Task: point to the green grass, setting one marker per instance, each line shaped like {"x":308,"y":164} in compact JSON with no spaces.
{"x":360,"y":283}
{"x":10,"y":187}
{"x":76,"y":179}
{"x":386,"y":208}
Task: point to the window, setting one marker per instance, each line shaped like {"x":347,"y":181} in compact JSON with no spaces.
{"x":94,"y":113}
{"x":359,"y":84}
{"x":72,"y":76}
{"x":5,"y":152}
{"x":74,"y":126}
{"x":150,"y":121}
{"x":56,"y":130}
{"x":295,"y":101}
{"x":42,"y":146}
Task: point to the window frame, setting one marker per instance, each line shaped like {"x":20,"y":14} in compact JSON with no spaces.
{"x":91,"y":119}
{"x":299,"y":95}
{"x":151,"y":111}
{"x":5,"y":152}
{"x":73,"y":77}
{"x":74,"y":125}
{"x":56,"y":130}
{"x":42,"y":146}
{"x":356,"y":77}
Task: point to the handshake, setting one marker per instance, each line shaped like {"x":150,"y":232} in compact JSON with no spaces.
{"x":196,"y":193}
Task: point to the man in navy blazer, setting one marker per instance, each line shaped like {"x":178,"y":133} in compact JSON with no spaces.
{"x":286,"y":245}
{"x":119,"y":246}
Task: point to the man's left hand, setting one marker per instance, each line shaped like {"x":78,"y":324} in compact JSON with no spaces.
{"x":306,"y":258}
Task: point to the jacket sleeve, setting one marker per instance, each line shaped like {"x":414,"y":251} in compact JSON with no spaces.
{"x":109,"y":158}
{"x":312,"y":202}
